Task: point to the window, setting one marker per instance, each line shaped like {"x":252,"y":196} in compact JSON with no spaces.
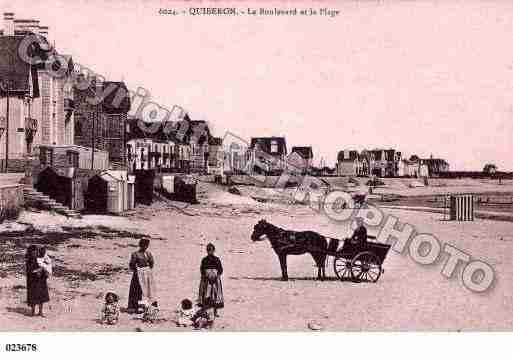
{"x":129,"y":151}
{"x":78,"y":128}
{"x":274,"y":146}
{"x":72,"y":158}
{"x":46,"y":156}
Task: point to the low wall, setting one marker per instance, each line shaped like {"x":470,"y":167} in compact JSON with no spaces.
{"x":11,"y":201}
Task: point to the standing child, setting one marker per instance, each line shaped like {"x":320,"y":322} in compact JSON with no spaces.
{"x":211,"y":288}
{"x":110,"y":310}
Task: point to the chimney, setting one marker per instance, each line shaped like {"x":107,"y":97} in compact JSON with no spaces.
{"x":43,"y":31}
{"x":8,"y":23}
{"x":34,"y":26}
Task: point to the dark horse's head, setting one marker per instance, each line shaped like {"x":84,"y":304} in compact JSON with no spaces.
{"x":260,"y":230}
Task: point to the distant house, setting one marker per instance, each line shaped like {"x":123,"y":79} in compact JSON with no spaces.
{"x":413,"y":167}
{"x":351,"y":163}
{"x":436,"y":166}
{"x":198,"y":137}
{"x":236,"y":157}
{"x":268,"y":155}
{"x":299,"y":160}
{"x":385,"y":162}
{"x":149,"y":146}
{"x":305,"y":152}
{"x":215,"y":156}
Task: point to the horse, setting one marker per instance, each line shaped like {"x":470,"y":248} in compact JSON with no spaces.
{"x":287,"y":243}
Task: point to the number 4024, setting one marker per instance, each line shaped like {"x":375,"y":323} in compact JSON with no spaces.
{"x":20,"y":347}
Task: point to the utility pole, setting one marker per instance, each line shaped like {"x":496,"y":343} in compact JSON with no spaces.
{"x":6,"y":90}
{"x":93,"y":139}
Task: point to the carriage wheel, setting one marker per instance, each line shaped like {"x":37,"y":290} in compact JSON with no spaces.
{"x":366,"y":267}
{"x":342,"y":268}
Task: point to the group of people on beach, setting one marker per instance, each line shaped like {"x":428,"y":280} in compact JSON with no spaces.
{"x":142,"y":297}
{"x":142,"y":294}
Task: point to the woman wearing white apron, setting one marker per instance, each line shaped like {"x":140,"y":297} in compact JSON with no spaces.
{"x":142,"y":286}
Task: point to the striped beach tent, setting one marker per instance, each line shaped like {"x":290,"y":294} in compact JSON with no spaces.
{"x":462,"y":207}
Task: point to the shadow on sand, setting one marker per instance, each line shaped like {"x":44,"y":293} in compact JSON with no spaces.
{"x":291,"y":279}
{"x":26,"y":311}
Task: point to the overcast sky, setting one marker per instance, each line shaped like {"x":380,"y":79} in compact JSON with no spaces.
{"x":426,"y":77}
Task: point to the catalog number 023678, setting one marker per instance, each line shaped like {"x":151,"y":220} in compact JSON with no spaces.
{"x":20,"y":347}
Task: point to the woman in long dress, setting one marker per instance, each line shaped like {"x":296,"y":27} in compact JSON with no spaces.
{"x":211,"y":288}
{"x":142,"y":286}
{"x":37,"y":288}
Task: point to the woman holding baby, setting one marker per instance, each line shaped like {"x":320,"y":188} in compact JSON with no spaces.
{"x":38,"y":268}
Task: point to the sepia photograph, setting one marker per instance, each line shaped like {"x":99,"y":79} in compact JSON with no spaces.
{"x":255,"y":166}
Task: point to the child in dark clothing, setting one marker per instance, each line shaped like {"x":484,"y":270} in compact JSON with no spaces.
{"x":211,"y":287}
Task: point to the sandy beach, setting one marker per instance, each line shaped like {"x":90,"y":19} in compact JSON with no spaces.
{"x":91,"y":257}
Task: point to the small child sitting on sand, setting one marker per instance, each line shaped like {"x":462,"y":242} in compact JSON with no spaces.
{"x":185,"y":314}
{"x":110,"y":310}
{"x":204,"y":317}
{"x":199,"y":318}
{"x":151,"y":312}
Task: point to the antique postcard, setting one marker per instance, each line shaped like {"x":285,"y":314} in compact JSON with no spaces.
{"x":255,"y":166}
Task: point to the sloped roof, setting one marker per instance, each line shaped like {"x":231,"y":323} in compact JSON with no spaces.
{"x":117,"y":98}
{"x":14,"y":69}
{"x":215,"y":141}
{"x":435,"y":161}
{"x":156,"y":131}
{"x":304,"y":151}
{"x":353,"y":155}
{"x":264,"y":143}
{"x":198,"y":131}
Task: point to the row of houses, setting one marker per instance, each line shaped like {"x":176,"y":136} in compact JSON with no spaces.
{"x":387,"y":163}
{"x":82,"y":120}
{"x":267,"y":155}
{"x":195,"y":151}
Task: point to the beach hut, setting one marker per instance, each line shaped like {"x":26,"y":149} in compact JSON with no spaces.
{"x":131,"y":192}
{"x":144,"y":185}
{"x":461,"y":207}
{"x":62,"y":185}
{"x":109,"y":192}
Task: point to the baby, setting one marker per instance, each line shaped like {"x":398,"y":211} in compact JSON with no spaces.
{"x":110,"y":310}
{"x":44,"y":260}
{"x":185,"y":314}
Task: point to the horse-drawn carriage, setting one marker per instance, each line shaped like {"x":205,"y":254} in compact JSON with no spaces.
{"x":355,"y":261}
{"x":360,"y":262}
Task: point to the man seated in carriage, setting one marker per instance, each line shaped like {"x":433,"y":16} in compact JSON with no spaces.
{"x":359,"y":237}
